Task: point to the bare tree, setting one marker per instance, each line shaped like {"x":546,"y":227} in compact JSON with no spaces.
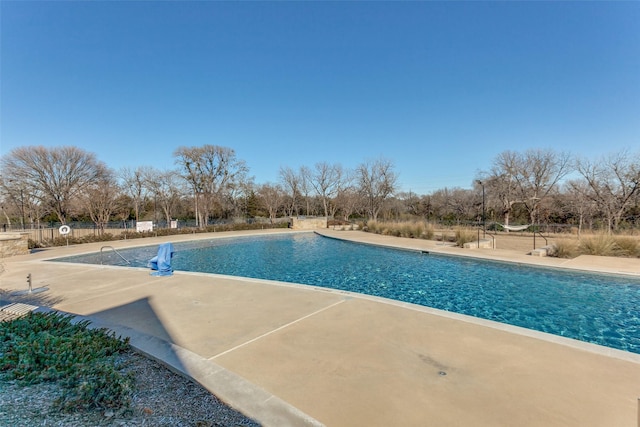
{"x":540,"y":173}
{"x":578,"y":203}
{"x":209,"y":170}
{"x":526,"y":178}
{"x":100,"y":200}
{"x":305,"y":186}
{"x":424,"y":207}
{"x":271,"y":198}
{"x":124,"y":208}
{"x":291,"y":183}
{"x":5,"y":212}
{"x":438,"y":204}
{"x":22,"y":202}
{"x":238,"y":197}
{"x":410,"y":201}
{"x":501,"y":185}
{"x":348,"y":200}
{"x":56,"y":175}
{"x":133,"y":184}
{"x":376,"y":182}
{"x":612,"y":183}
{"x":395,"y":209}
{"x":455,"y":204}
{"x":326,"y":180}
{"x":164,"y":186}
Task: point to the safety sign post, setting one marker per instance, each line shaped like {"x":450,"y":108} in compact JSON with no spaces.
{"x":65,"y":230}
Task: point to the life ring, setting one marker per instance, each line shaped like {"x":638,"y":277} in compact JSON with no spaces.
{"x":64,"y":229}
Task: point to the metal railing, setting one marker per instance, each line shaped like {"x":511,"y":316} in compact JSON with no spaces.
{"x":493,"y":239}
{"x":546,"y":242}
{"x":114,"y":250}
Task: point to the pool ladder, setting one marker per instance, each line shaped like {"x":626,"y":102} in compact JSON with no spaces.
{"x":114,"y":250}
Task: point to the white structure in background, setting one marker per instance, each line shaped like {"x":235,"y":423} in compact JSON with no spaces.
{"x":144,"y":226}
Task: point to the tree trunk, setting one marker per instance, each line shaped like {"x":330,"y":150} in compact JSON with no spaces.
{"x":506,"y":220}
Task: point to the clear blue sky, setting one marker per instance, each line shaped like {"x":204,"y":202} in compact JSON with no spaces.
{"x":439,"y":88}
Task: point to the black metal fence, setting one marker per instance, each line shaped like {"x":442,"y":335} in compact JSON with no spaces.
{"x":77,"y":229}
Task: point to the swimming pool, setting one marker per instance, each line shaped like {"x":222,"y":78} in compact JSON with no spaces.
{"x":601,"y":309}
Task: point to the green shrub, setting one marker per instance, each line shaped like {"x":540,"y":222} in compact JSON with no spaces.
{"x":97,"y":386}
{"x":50,"y":347}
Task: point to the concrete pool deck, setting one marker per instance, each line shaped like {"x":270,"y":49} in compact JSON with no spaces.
{"x":298,"y":355}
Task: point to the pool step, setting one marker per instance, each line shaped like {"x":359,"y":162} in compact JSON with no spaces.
{"x":543,"y":251}
{"x":482,"y":244}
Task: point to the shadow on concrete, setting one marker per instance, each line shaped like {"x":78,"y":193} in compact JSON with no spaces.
{"x":139,"y":322}
{"x":42,"y":299}
{"x":138,"y":315}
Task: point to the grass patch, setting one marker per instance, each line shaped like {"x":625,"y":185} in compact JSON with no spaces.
{"x":44,"y":347}
{"x":602,"y":245}
{"x":464,"y":235}
{"x":627,"y":246}
{"x":408,"y":229}
{"x":564,"y":249}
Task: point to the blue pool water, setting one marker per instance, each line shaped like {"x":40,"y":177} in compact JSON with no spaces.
{"x":601,"y":309}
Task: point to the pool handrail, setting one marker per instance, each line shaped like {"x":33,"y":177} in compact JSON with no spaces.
{"x":114,"y":250}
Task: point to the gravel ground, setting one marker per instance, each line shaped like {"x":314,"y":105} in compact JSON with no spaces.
{"x":161,"y":398}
